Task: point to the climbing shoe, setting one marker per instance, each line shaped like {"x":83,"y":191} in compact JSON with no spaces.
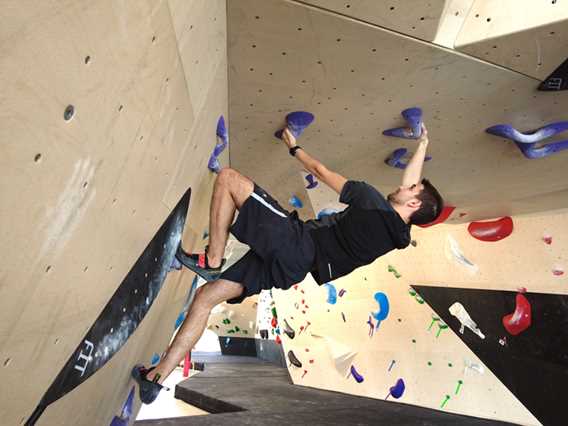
{"x":198,"y":264}
{"x":148,"y":390}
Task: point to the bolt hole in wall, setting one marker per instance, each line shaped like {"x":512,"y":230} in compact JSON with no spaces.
{"x":37,"y":158}
{"x":69,"y":112}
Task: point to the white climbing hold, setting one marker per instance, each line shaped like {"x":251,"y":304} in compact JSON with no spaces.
{"x":458,"y":311}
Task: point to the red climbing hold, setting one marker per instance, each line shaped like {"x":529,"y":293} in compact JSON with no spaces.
{"x":278,"y":340}
{"x":491,"y":231}
{"x":446,"y":212}
{"x":274,"y":322}
{"x":519,"y":320}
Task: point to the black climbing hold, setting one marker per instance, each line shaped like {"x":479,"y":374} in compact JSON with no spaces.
{"x":556,"y":81}
{"x":293,"y":360}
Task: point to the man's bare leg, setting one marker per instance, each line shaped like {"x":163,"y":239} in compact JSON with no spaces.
{"x":230,"y":192}
{"x":207,"y":297}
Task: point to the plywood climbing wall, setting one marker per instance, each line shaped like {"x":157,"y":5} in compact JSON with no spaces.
{"x":356,"y":77}
{"x":108,"y":115}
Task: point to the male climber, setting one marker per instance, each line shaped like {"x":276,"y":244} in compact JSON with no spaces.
{"x":284,"y":249}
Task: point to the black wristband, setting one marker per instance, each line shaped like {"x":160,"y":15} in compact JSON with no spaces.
{"x":293,"y":150}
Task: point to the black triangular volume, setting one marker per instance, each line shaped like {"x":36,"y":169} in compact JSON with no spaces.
{"x":556,"y":81}
{"x":124,"y":311}
{"x":533,"y":364}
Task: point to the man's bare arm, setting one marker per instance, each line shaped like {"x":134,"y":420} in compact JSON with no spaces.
{"x":334,"y":180}
{"x":413,"y":171}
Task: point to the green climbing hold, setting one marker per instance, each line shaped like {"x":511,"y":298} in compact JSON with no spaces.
{"x":441,"y":326}
{"x":394,"y":271}
{"x":460,"y":382}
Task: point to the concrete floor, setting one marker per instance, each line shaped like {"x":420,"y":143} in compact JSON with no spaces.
{"x":247,"y":391}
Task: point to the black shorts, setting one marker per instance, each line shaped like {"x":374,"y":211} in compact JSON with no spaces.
{"x":281,"y":253}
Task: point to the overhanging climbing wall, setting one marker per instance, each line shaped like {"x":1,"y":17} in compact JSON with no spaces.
{"x":85,"y":189}
{"x":371,"y":333}
{"x":356,"y":77}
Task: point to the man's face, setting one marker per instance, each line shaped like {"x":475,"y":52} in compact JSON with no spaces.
{"x":404,"y":194}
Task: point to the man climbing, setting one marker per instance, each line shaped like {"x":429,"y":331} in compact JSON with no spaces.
{"x":284,"y":249}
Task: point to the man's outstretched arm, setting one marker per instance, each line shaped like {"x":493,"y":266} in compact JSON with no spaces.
{"x":413,"y":172}
{"x":334,"y":180}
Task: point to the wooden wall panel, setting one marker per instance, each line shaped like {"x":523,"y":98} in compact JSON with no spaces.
{"x":81,"y":199}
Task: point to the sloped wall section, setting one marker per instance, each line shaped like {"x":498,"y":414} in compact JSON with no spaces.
{"x":108,"y":115}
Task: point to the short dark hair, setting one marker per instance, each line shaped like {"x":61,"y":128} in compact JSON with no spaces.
{"x":431,"y":207}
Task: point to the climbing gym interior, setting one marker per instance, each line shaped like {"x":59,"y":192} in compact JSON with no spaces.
{"x":115,"y":118}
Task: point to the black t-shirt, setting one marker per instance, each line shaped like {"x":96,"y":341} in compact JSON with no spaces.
{"x":368,"y":228}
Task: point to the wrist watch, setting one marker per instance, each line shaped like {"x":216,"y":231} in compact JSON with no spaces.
{"x":293,"y":150}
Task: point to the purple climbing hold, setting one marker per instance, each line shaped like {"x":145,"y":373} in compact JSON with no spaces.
{"x":509,"y":132}
{"x":398,"y":158}
{"x":413,"y":117}
{"x":176,"y":264}
{"x":222,"y":142}
{"x":413,"y":130}
{"x":312,"y":182}
{"x":356,"y":375}
{"x":527,"y":142}
{"x":297,"y":122}
{"x":531,"y":151}
{"x":398,"y":389}
{"x":222,"y":129}
{"x":223,"y":136}
{"x":214,"y":164}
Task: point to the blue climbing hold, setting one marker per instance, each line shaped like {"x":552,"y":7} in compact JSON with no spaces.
{"x":398,"y":389}
{"x":399,"y":158}
{"x":312,"y":182}
{"x":383,"y":312}
{"x":331,"y":293}
{"x":527,"y":142}
{"x":413,"y":130}
{"x":179,"y":320}
{"x":295,"y":202}
{"x":297,"y":122}
{"x":326,"y":212}
{"x":155,"y":359}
